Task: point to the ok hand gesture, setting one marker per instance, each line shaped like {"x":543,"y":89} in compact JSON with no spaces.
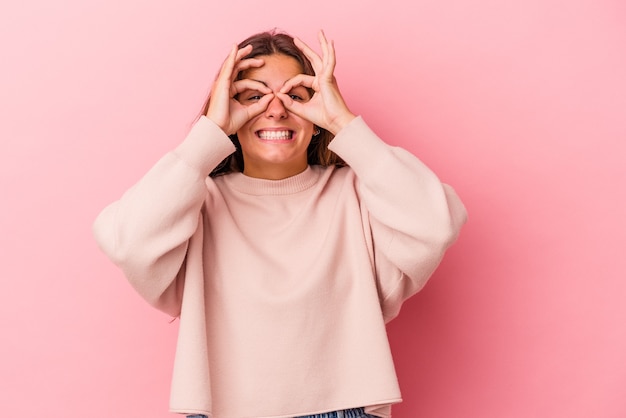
{"x":326,"y":109}
{"x":224,"y":110}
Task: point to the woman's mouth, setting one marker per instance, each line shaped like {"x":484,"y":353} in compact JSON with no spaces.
{"x":275,"y":135}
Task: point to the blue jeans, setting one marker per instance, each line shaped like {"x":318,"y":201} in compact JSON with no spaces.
{"x":346,"y":413}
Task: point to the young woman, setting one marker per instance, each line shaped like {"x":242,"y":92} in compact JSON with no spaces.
{"x":284,"y":234}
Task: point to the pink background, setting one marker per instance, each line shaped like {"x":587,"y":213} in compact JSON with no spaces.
{"x":520,"y":105}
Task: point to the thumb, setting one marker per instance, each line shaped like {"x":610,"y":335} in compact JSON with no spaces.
{"x":260,"y":106}
{"x":291,"y":105}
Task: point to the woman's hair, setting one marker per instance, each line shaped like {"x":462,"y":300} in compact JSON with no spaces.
{"x":269,"y":43}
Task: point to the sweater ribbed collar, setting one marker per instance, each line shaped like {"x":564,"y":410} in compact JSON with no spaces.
{"x":259,"y":187}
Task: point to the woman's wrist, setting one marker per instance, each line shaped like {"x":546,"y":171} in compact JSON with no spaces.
{"x":341,"y":122}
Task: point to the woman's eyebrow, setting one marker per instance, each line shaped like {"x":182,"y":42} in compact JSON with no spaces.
{"x":265,"y":84}
{"x":262,"y":82}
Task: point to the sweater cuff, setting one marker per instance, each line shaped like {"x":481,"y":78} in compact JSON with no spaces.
{"x":205,"y":146}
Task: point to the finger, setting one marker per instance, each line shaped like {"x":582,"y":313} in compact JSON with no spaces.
{"x":248,"y":84}
{"x":298,"y":80}
{"x":221,"y":84}
{"x":328,"y":51}
{"x":242,"y":52}
{"x":260,"y":106}
{"x":229,"y":62}
{"x":240,"y":66}
{"x":332,"y":57}
{"x":290,"y":104}
{"x":248,"y":63}
{"x":323,"y":43}
{"x":315,"y":59}
{"x":223,"y":81}
{"x":234,"y":57}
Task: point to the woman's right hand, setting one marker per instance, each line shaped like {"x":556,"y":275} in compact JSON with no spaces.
{"x":224,"y":110}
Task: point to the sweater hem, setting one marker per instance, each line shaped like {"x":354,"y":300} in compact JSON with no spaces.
{"x":370,"y":408}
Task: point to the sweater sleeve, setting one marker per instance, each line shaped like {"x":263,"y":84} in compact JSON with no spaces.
{"x":146,"y":232}
{"x":413,"y":217}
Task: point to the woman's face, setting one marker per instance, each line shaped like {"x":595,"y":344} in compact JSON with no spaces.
{"x":274,"y":144}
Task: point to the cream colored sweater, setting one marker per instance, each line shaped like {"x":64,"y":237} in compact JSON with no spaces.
{"x":283,"y":287}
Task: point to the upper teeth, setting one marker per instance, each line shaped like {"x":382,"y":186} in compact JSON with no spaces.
{"x":274,"y":134}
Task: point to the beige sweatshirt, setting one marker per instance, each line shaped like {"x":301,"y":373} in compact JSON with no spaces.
{"x":283,"y":287}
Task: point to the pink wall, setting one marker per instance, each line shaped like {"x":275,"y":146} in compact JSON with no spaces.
{"x":521,"y":105}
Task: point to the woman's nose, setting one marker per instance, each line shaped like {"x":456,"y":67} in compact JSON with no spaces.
{"x":276,"y":109}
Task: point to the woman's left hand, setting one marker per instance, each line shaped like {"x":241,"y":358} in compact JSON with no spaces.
{"x":326,"y":108}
